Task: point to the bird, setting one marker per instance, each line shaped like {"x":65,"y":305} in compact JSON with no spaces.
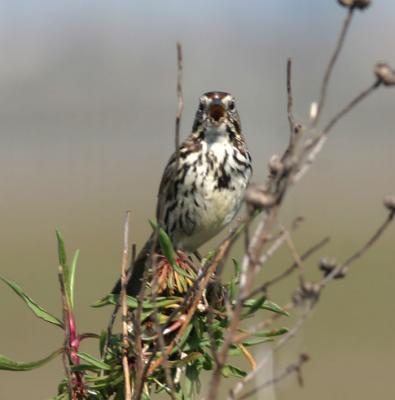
{"x":203,"y":184}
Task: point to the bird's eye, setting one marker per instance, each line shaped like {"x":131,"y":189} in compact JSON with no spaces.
{"x":231,"y":105}
{"x":201,"y":106}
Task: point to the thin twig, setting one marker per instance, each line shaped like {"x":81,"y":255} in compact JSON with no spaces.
{"x":331,"y":64}
{"x":241,"y":337}
{"x":180,"y":98}
{"x":290,"y":269}
{"x":137,"y":335}
{"x":284,"y":339}
{"x":314,"y":301}
{"x":124,"y":306}
{"x":291,"y":119}
{"x":248,"y":271}
{"x":161,"y":345}
{"x":279,"y":241}
{"x":294,"y":367}
{"x":314,"y":147}
{"x":294,"y":128}
{"x":297,"y":258}
{"x":351,"y":105}
{"x":342,"y":269}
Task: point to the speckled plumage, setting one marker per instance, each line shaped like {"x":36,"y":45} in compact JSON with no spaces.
{"x":202,"y":191}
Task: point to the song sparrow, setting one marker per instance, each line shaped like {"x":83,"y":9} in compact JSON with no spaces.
{"x":201,"y":192}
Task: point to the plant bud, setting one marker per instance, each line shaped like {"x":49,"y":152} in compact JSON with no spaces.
{"x":389,"y":202}
{"x":360,"y":4}
{"x":385,"y":74}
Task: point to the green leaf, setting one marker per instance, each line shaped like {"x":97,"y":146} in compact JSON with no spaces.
{"x":37,"y":309}
{"x":207,"y":259}
{"x":255,"y":305}
{"x":230,"y":370}
{"x":266,"y":305}
{"x":237,"y":268}
{"x":61,"y":249}
{"x":180,"y":345}
{"x":102,"y":341}
{"x":112,"y":299}
{"x":90,"y":360}
{"x":72,"y":277}
{"x":192,"y":381}
{"x":258,"y":340}
{"x":65,"y":269}
{"x":10,"y":365}
{"x":271,"y":332}
{"x":84,"y":367}
{"x":182,"y":362}
{"x":165,"y":243}
{"x":168,"y":251}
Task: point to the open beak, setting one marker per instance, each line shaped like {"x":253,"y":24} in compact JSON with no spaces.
{"x":216,"y":111}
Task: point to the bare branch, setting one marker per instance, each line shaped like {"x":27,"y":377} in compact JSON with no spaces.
{"x":289,"y":97}
{"x":294,"y":367}
{"x":125,"y":334}
{"x":290,"y":269}
{"x":331,"y":64}
{"x":284,"y":339}
{"x":294,"y":128}
{"x":342,"y":269}
{"x":314,"y":147}
{"x":137,"y":336}
{"x":313,"y":301}
{"x":297,"y":258}
{"x":180,"y":97}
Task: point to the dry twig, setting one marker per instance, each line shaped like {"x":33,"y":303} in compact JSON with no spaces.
{"x":124,"y":306}
{"x":294,"y":367}
{"x":180,"y":98}
{"x":331,"y":64}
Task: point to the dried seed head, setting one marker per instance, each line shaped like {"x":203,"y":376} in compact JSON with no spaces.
{"x":360,"y":4}
{"x":170,"y":281}
{"x":385,"y":74}
{"x":389,"y":202}
{"x":306,"y":291}
{"x":327,"y":265}
{"x":304,"y":357}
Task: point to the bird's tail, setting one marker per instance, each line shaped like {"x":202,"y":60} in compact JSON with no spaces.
{"x":135,"y":273}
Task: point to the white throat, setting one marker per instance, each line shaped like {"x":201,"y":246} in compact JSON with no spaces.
{"x":216,"y":134}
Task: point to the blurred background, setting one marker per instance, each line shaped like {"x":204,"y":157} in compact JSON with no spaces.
{"x":87,"y":108}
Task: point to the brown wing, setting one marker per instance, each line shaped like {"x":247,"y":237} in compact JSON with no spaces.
{"x":166,"y":188}
{"x":171,"y":174}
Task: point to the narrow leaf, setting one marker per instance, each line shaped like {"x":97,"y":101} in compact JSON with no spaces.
{"x":165,"y":244}
{"x":237,"y":268}
{"x":10,"y":365}
{"x":182,"y":362}
{"x":112,"y":299}
{"x":168,"y":251}
{"x":256,"y":304}
{"x":230,"y":370}
{"x":37,"y":309}
{"x":72,"y":276}
{"x":102,"y":341}
{"x":61,"y":249}
{"x":94,"y":361}
{"x":266,"y":305}
{"x":271,"y":332}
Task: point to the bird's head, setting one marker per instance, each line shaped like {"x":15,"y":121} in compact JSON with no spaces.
{"x":217,"y":113}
